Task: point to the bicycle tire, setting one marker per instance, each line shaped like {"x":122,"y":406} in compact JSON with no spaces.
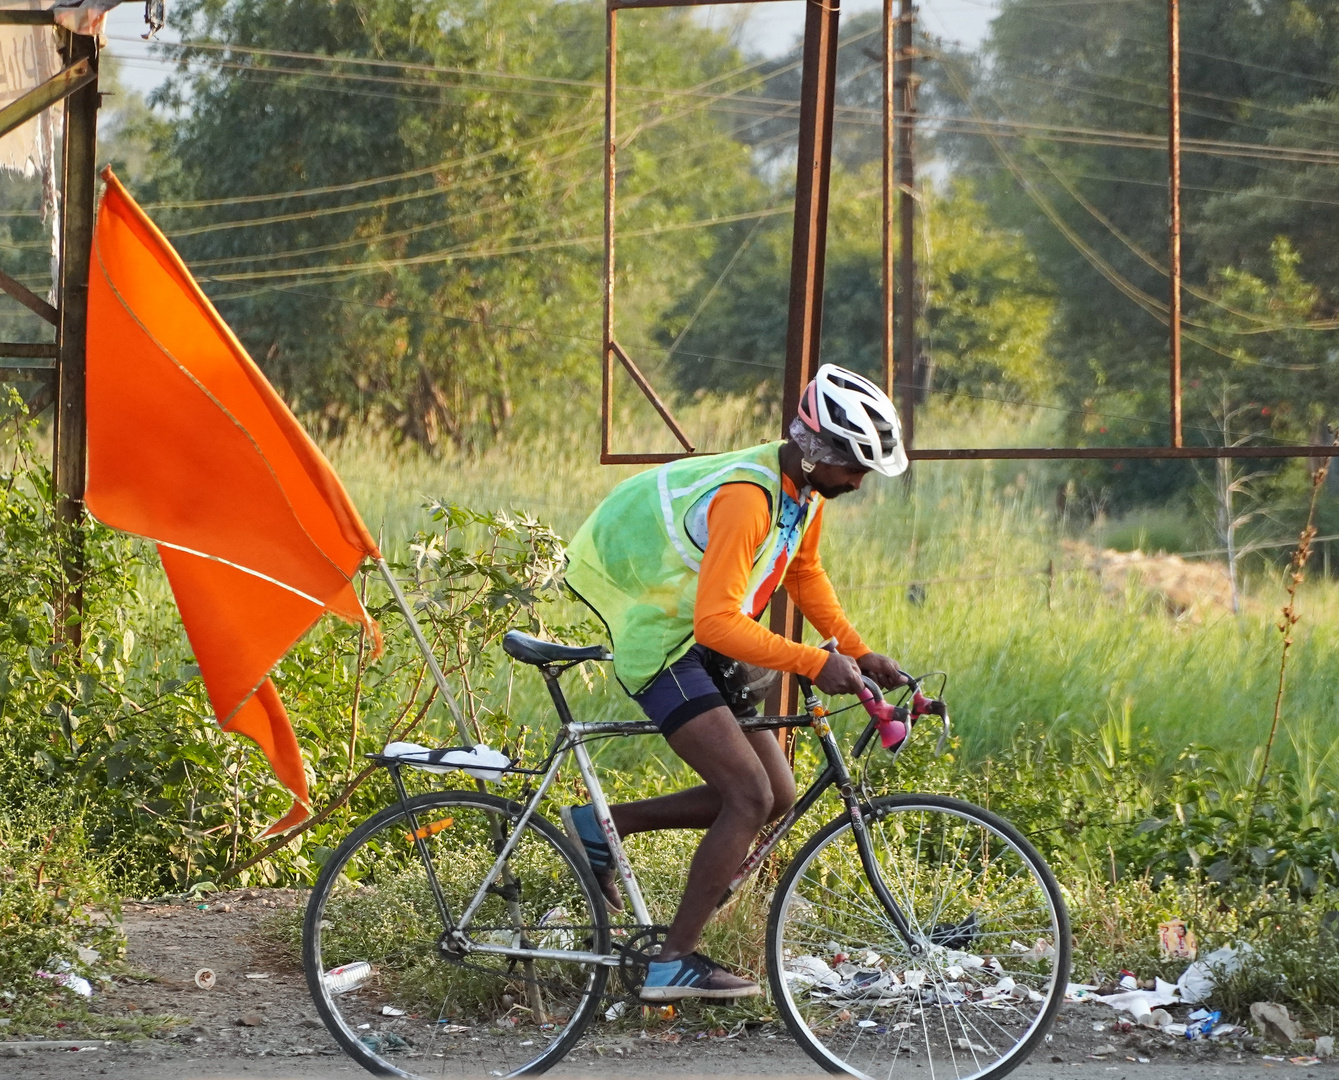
{"x":416,"y":1012}
{"x":985,"y":909}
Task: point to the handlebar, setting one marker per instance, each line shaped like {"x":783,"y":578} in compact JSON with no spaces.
{"x":894,"y":722}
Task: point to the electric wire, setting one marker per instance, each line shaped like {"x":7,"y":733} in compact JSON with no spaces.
{"x":328,"y":189}
{"x":627,"y":203}
{"x":774,"y":366}
{"x":1156,"y":308}
{"x":363,"y":241}
{"x":1160,"y":45}
{"x":1148,"y":141}
{"x":384,"y":200}
{"x":1161,"y":90}
{"x":462,"y":254}
{"x":1153,"y":306}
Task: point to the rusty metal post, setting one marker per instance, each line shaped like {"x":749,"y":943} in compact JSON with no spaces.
{"x":889,"y":191}
{"x":813,"y":171}
{"x":1174,"y":209}
{"x":70,"y":434}
{"x":905,"y":87}
{"x":610,"y":135}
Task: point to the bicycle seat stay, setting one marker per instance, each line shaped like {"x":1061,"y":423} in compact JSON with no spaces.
{"x":531,"y":650}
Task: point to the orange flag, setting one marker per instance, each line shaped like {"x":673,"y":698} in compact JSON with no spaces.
{"x":190,"y":446}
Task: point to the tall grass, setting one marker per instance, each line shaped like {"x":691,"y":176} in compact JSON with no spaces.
{"x":960,"y":570}
{"x":1123,"y":739}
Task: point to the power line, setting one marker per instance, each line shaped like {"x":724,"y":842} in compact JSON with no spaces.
{"x":774,"y":366}
{"x":1185,"y":51}
{"x":629,"y":202}
{"x":1157,"y":88}
{"x":389,"y":200}
{"x":461,"y":254}
{"x":696,"y":91}
{"x":1161,"y":185}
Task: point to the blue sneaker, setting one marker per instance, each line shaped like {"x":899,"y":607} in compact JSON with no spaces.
{"x":584,"y":831}
{"x":694,"y":976}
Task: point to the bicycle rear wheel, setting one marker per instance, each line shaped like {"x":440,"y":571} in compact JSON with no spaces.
{"x":396,"y":999}
{"x":986,"y":916}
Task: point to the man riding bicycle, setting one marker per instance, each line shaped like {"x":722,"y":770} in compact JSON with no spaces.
{"x":680,"y":562}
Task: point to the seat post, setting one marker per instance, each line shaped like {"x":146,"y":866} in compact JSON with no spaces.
{"x":556,"y":693}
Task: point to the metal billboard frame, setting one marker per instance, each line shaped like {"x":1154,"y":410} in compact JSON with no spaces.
{"x":813,"y":171}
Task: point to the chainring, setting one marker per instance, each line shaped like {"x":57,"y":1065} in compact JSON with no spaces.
{"x":636,"y":953}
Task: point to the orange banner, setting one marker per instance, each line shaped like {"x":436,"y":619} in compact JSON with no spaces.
{"x":190,"y":446}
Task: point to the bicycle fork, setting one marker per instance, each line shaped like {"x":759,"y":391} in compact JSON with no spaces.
{"x":837,"y":773}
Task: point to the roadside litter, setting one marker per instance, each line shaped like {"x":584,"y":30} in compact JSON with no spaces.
{"x":1201,"y":1023}
{"x":1078,"y":992}
{"x":347,"y":977}
{"x":953,"y":977}
{"x":1198,"y":980}
{"x":1141,"y":1003}
{"x":1175,"y":941}
{"x":69,"y":980}
{"x":380,"y":1042}
{"x":1275,"y":1023}
{"x":205,"y":979}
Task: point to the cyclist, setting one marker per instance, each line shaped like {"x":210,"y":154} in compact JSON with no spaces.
{"x":680,"y":562}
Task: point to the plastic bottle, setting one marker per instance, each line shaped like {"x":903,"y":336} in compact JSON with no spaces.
{"x":347,"y":977}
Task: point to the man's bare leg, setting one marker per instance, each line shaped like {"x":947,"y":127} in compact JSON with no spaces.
{"x":741,"y":774}
{"x":698,"y":807}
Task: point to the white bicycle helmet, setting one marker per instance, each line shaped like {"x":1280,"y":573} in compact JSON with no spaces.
{"x":855,"y":419}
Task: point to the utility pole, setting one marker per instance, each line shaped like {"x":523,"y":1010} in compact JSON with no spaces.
{"x":1174,"y":209}
{"x":904,"y":84}
{"x":70,"y":430}
{"x":813,"y":170}
{"x":889,"y":190}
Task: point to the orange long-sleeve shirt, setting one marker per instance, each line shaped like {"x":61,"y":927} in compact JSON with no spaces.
{"x":738,"y":521}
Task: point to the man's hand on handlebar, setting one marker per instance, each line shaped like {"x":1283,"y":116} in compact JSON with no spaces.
{"x":883,"y":670}
{"x":841,"y":675}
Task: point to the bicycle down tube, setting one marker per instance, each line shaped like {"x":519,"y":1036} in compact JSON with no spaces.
{"x":571,"y":743}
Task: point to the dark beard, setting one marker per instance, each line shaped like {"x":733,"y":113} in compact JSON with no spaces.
{"x":831,"y":491}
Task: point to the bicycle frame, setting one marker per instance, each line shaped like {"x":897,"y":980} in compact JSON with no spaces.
{"x":571,"y":742}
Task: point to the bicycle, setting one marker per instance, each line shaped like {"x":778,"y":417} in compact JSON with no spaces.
{"x":460,"y":932}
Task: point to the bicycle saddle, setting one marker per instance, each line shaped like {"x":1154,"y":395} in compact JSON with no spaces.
{"x":530,"y":650}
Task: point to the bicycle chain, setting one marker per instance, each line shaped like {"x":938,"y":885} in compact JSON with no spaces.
{"x":631,"y":959}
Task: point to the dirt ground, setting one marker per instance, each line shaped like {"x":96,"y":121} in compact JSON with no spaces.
{"x":258,"y":1022}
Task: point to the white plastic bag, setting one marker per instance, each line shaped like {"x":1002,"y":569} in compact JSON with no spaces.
{"x":479,"y":761}
{"x":1198,"y":980}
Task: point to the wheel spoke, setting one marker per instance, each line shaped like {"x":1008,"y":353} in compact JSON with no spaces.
{"x":968,"y":887}
{"x":425,"y":1006}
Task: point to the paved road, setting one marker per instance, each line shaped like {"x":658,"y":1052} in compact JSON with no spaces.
{"x":138,"y":1065}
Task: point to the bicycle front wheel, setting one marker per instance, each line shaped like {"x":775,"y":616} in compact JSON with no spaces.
{"x":984,"y":974}
{"x":399,"y":996}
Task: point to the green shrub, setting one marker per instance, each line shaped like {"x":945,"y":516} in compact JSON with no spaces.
{"x":57,"y":915}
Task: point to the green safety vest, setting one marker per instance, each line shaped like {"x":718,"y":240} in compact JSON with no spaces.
{"x":635,"y":560}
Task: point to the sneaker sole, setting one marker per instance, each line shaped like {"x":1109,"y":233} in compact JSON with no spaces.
{"x":569,"y":827}
{"x":658,"y":994}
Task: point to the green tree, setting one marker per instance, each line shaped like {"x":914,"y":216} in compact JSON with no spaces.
{"x":426,"y":252}
{"x":986,"y":313}
{"x":1093,"y":206}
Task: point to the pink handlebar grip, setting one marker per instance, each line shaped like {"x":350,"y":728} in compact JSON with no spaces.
{"x":891,"y":730}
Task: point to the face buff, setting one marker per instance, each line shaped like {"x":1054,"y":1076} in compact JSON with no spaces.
{"x":813,"y":449}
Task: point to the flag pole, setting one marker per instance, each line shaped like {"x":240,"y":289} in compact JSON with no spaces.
{"x":438,"y":676}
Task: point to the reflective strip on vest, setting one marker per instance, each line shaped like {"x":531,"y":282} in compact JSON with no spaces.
{"x":635,"y":563}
